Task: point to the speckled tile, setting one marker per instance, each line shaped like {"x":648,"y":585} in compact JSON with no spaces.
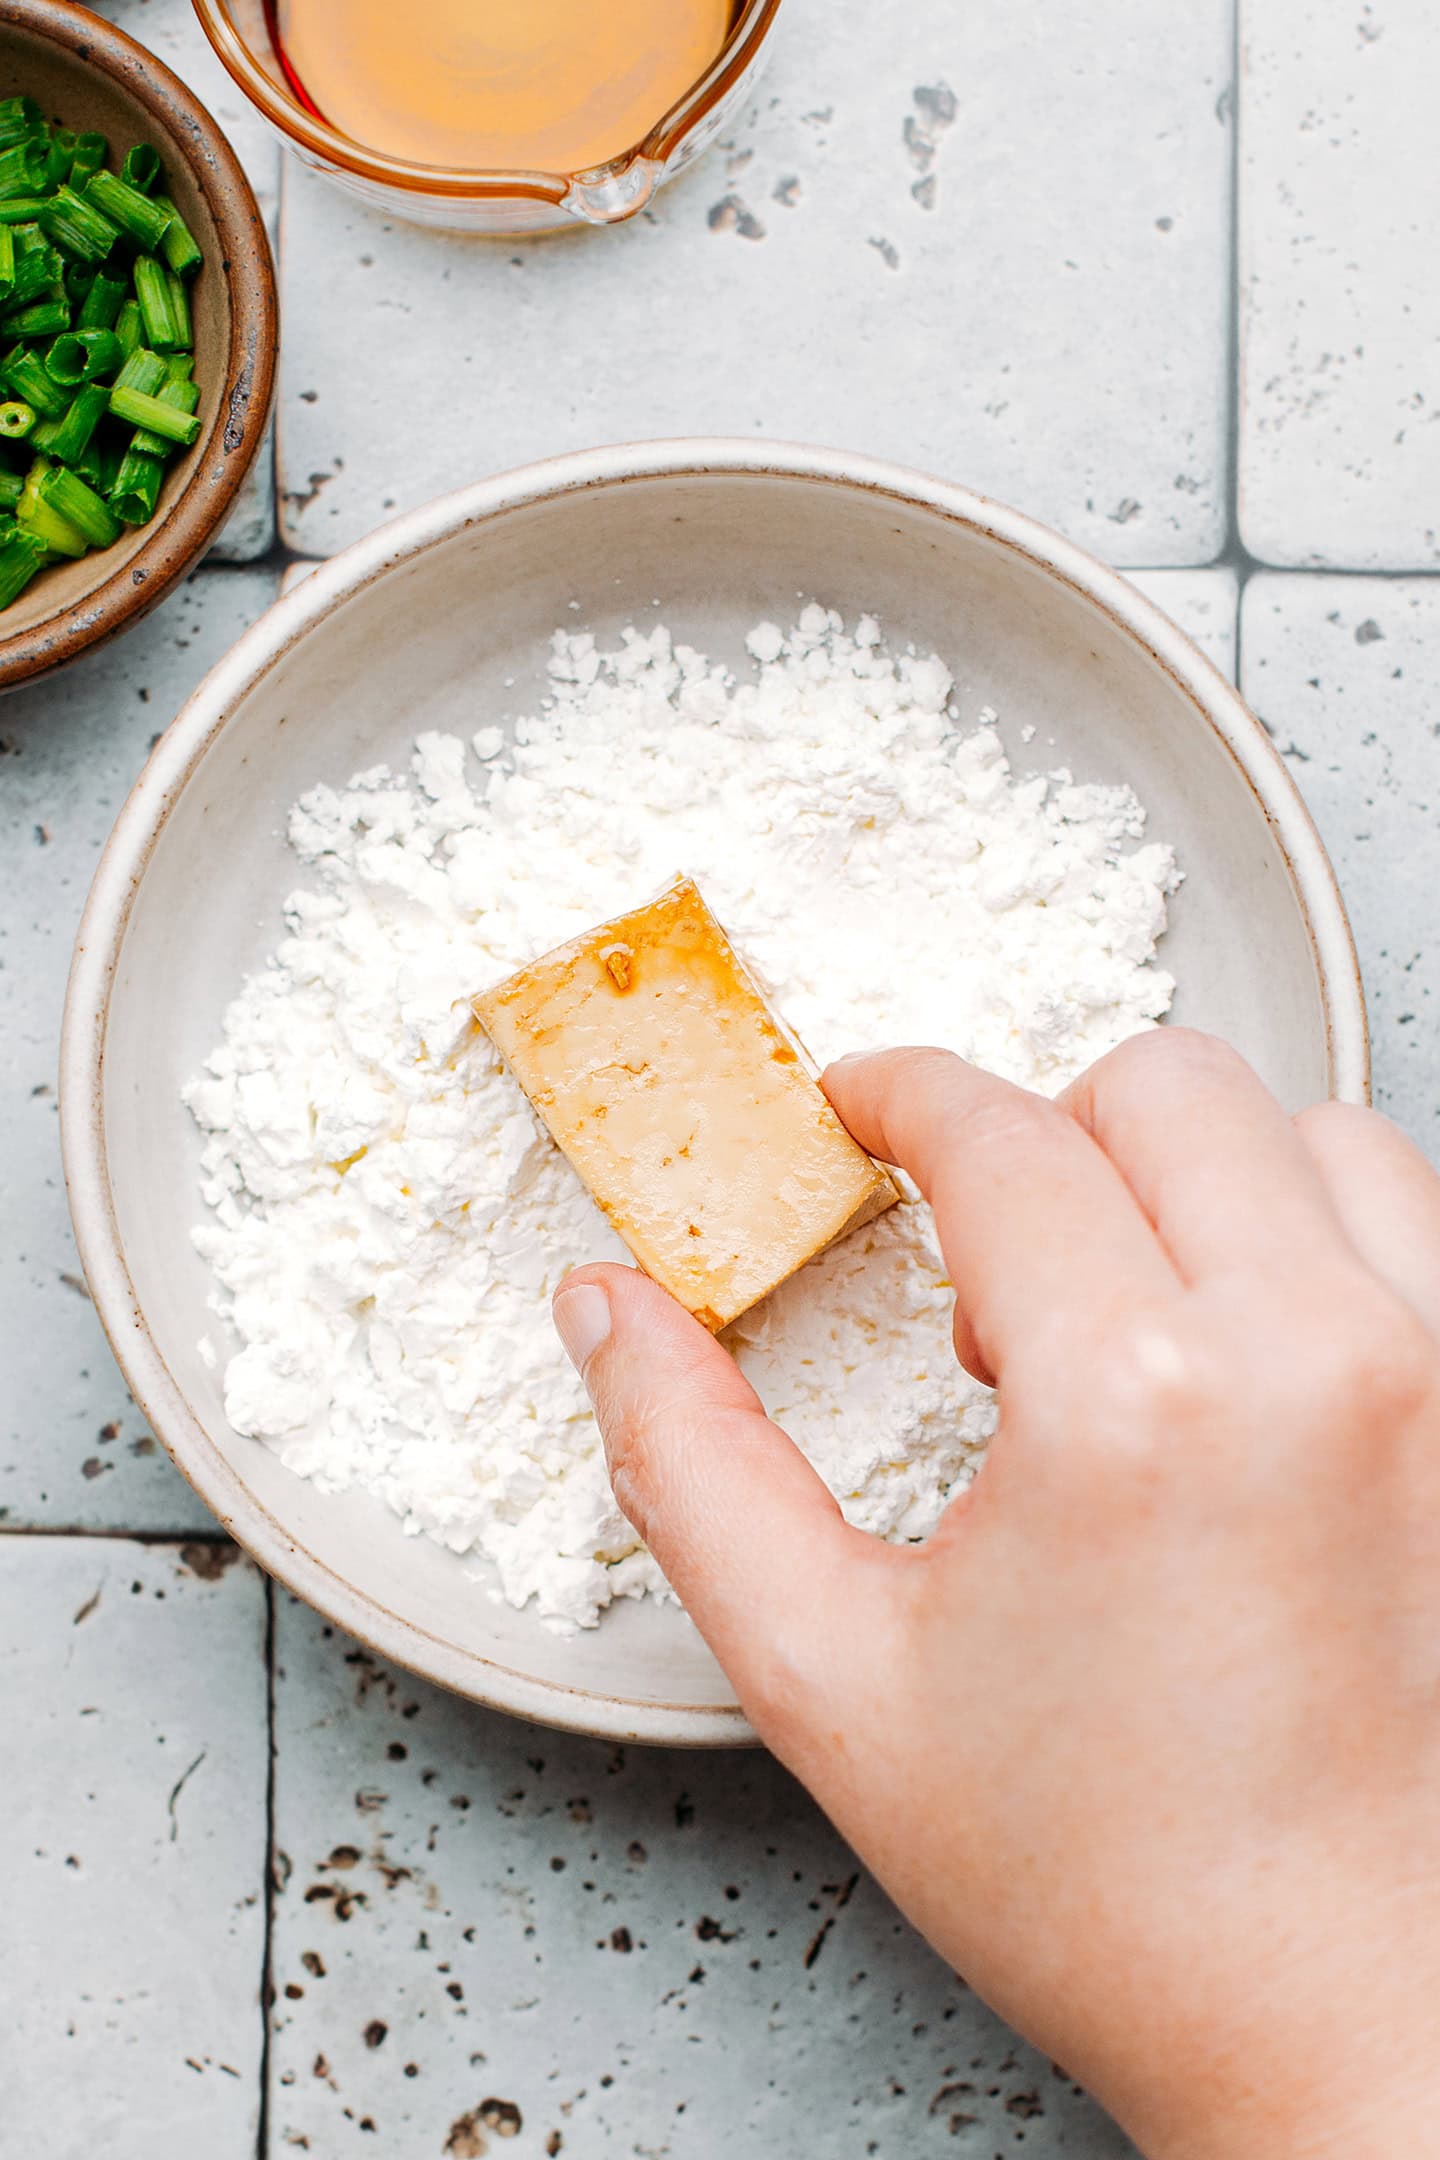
{"x":487,"y":1928}
{"x":1204,"y":603}
{"x":133,"y":1683}
{"x":1346,"y":673}
{"x":1340,"y":311}
{"x":74,"y":1451}
{"x":942,"y":235}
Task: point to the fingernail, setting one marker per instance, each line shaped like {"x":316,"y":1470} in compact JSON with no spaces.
{"x":582,"y":1321}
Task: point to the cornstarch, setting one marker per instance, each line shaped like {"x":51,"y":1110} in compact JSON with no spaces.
{"x":388,"y":1218}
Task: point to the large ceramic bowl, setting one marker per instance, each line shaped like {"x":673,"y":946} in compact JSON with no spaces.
{"x":83,"y":71}
{"x":424,"y":624}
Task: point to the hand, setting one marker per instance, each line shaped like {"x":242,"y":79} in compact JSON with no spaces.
{"x":1146,"y":1740}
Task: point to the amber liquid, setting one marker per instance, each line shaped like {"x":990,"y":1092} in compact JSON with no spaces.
{"x":510,"y":85}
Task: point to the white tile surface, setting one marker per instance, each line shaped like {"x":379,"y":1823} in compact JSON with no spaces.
{"x":638,"y":1952}
{"x":1204,"y":603}
{"x":1346,"y":673}
{"x":1051,"y":329}
{"x":133,"y":1931}
{"x":74,"y":1451}
{"x":1340,"y":202}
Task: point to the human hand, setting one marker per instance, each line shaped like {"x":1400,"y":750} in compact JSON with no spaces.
{"x":1146,"y":1740}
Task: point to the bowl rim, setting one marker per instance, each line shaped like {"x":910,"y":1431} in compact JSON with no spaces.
{"x":226,"y":452}
{"x":311,"y":134}
{"x":179,"y":753}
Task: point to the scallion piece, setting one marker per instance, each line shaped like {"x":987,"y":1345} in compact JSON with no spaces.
{"x":83,"y":356}
{"x":16,"y":419}
{"x":184,"y":396}
{"x":7,"y":261}
{"x":75,"y":432}
{"x":136,"y":215}
{"x":11,"y":486}
{"x":22,"y":169}
{"x":77,"y":280}
{"x":21,"y":209}
{"x":43,"y":434}
{"x":103,"y":302}
{"x":143,"y":370}
{"x":59,"y":158}
{"x":76,"y":226}
{"x":127,"y":327}
{"x":37,"y":271}
{"x":137,"y":488}
{"x":179,"y":247}
{"x":166,"y":329}
{"x":75,"y":501}
{"x":89,"y":157}
{"x":45,"y":523}
{"x":180,"y":309}
{"x":143,"y":411}
{"x":43,"y":318}
{"x":26,"y":374}
{"x":20,"y":118}
{"x":20,"y":558}
{"x":141,"y":168}
{"x":29,"y":239}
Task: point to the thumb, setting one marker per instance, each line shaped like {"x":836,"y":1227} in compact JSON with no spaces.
{"x":748,"y":1535}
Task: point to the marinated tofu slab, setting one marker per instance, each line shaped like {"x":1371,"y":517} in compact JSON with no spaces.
{"x":685,"y":1105}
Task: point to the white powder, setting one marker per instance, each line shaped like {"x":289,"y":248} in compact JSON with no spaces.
{"x":389,"y":1219}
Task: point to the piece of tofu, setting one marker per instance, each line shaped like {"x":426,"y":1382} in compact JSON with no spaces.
{"x":684,"y":1104}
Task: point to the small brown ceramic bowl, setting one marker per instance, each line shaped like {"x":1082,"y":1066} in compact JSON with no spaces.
{"x":88,"y":75}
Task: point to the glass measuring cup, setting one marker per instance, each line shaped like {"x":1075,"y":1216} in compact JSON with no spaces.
{"x":490,"y":202}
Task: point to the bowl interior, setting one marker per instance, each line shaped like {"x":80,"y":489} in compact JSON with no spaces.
{"x":432,"y":642}
{"x":82,"y":94}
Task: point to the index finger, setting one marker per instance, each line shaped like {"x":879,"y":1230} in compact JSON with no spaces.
{"x":1036,"y":1224}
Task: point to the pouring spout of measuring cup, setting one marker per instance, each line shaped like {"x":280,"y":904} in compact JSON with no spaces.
{"x":609,"y":194}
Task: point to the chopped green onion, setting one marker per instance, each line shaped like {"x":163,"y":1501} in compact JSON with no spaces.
{"x":22,"y":169}
{"x":103,"y":302}
{"x":16,"y":420}
{"x":11,"y":485}
{"x":89,"y":157}
{"x":7,"y":261}
{"x":43,"y":434}
{"x":59,"y":158}
{"x":77,"y":280}
{"x":143,"y":370}
{"x":137,"y":488}
{"x":180,"y":366}
{"x":83,"y":356}
{"x":21,"y":209}
{"x":37,"y":270}
{"x":141,"y":168}
{"x":167,"y":329}
{"x":46,"y":524}
{"x":74,"y":224}
{"x":179,"y":246}
{"x":149,"y":412}
{"x":134,"y":213}
{"x":184,"y":396}
{"x":29,"y":238}
{"x":127,"y":327}
{"x":38,"y":468}
{"x":66,"y":493}
{"x":20,"y":558}
{"x":26,"y":374}
{"x":41,"y":319}
{"x":20,"y":117}
{"x":73,"y":434}
{"x":180,"y":309}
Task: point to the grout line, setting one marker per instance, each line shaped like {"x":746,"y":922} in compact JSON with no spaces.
{"x":267,"y":1977}
{"x":213,"y":1535}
